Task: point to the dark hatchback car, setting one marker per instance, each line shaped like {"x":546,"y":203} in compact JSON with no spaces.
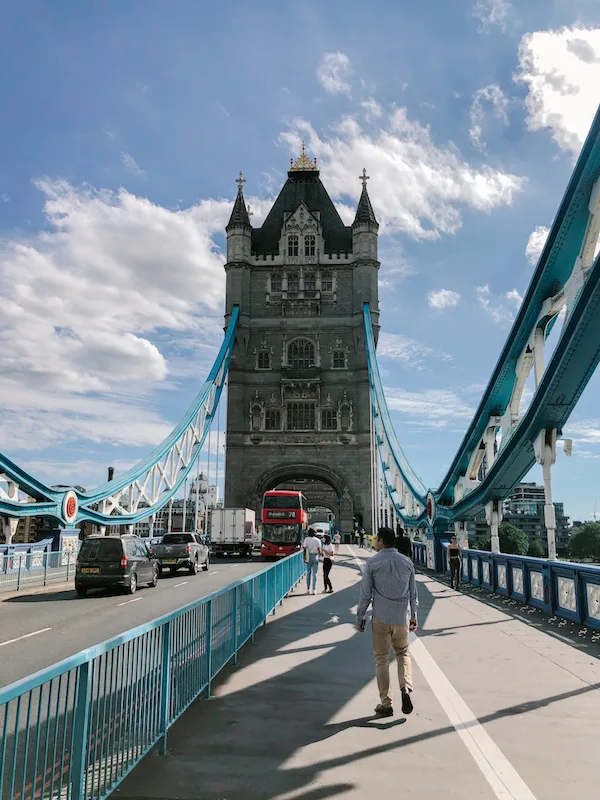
{"x":106,"y":562}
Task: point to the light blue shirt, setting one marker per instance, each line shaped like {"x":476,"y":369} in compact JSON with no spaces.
{"x":389,"y":583}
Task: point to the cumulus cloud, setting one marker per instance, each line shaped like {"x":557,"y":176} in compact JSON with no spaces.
{"x":417,"y":187}
{"x":491,"y":13}
{"x":561,"y":69}
{"x":494,"y":97}
{"x":371,"y":108}
{"x":430,"y":408}
{"x":401,"y":348}
{"x":587,"y":431}
{"x":333,"y":71}
{"x":535,"y":244}
{"x":443,"y":298}
{"x":514,"y":297}
{"x":494,"y":306}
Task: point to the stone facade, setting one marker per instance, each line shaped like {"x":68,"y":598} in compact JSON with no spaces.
{"x":298,"y":404}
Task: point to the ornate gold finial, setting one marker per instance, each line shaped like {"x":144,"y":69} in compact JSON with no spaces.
{"x":303,"y":163}
{"x":240,"y":181}
{"x":364,"y":178}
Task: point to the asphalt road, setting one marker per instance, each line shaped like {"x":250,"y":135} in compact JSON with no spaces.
{"x":37,"y":630}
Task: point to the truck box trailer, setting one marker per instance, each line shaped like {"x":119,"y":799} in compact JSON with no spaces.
{"x":232,"y":531}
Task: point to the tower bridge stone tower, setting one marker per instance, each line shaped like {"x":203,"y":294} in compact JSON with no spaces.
{"x":298,"y":403}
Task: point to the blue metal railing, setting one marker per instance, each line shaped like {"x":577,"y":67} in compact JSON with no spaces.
{"x":76,"y":729}
{"x":569,"y":590}
{"x":24,"y":570}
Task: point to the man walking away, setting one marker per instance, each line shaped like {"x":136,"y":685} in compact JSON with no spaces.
{"x":362,"y":537}
{"x":389,"y":583}
{"x":312,"y":551}
{"x":455,"y":559}
{"x":327,"y":550}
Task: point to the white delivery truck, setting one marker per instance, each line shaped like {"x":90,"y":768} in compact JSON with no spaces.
{"x":232,"y":531}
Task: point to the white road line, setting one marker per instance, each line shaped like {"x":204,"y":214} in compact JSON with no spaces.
{"x":214,"y":572}
{"x":25,"y":636}
{"x":183,"y":583}
{"x":126,"y":603}
{"x":504,"y":780}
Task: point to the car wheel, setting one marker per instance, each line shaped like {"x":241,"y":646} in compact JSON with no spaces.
{"x":132,"y":583}
{"x":206,"y":564}
{"x":194,"y":568}
{"x":154,"y":581}
{"x":81,"y":591}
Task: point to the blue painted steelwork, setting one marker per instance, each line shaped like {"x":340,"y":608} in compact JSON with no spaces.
{"x":24,"y":570}
{"x":191,"y":432}
{"x":79,"y":727}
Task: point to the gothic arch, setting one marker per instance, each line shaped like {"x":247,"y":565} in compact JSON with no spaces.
{"x":287,"y":472}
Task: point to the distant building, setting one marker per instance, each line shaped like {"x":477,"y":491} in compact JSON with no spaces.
{"x":208,"y":497}
{"x":524,"y":508}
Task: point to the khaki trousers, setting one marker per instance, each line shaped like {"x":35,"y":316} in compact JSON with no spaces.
{"x":384,"y":637}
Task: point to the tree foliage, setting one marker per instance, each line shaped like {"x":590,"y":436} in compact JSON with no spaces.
{"x":513,"y":540}
{"x":585,"y":542}
{"x":536,"y":548}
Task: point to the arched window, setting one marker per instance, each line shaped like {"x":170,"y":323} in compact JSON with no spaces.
{"x":301,"y":354}
{"x":310,"y":282}
{"x":293,"y":283}
{"x":309,"y":245}
{"x":328,"y":420}
{"x":338,"y":360}
{"x":292,"y":245}
{"x":327,"y":282}
{"x":264,"y":359}
{"x":275,"y":283}
{"x":273,"y":420}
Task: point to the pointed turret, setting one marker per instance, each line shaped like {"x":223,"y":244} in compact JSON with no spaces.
{"x":239,"y":229}
{"x":239,"y":214}
{"x":365,"y":225}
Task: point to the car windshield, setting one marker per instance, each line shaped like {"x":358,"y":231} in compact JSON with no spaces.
{"x":101,"y":549}
{"x":177,"y":538}
{"x":282,"y":534}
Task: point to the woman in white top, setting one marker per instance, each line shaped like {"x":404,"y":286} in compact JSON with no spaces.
{"x":312,"y":550}
{"x":327,"y":550}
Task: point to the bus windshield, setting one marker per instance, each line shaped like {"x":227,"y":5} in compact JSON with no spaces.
{"x":281,"y":501}
{"x":282,"y":534}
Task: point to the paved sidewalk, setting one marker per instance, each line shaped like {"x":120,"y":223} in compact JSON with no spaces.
{"x":502,"y":710}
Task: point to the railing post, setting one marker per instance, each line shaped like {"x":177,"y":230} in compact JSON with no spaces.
{"x":45,"y":557}
{"x":235,"y":631}
{"x":252,"y":608}
{"x":275,"y":586}
{"x":165,"y":688}
{"x":80,"y":732}
{"x":19,"y":571}
{"x":68,"y":562}
{"x":209,"y":646}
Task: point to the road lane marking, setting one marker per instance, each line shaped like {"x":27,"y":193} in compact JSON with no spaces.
{"x":504,"y":780}
{"x":25,"y":636}
{"x":214,"y":572}
{"x":180,"y":584}
{"x":135,"y":599}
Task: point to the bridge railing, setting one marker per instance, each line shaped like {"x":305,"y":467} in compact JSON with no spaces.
{"x":569,"y":590}
{"x":20,"y":570}
{"x":76,"y":729}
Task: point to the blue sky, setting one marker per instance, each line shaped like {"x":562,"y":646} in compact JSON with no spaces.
{"x":125,"y":125}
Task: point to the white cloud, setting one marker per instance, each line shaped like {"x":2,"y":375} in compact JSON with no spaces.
{"x":562,"y":71}
{"x":443,"y":298}
{"x":495,"y":97}
{"x":490,"y":13}
{"x":535,"y":243}
{"x":416,"y":187}
{"x":514,"y":297}
{"x":587,"y":431}
{"x":494,"y":306}
{"x":132,"y":166}
{"x":5,"y":197}
{"x":371,"y":108}
{"x":333,"y":71}
{"x":430,"y":408}
{"x":406,"y":350}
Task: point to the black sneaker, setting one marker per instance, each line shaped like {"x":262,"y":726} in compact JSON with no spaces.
{"x":407,"y":705}
{"x":384,"y":711}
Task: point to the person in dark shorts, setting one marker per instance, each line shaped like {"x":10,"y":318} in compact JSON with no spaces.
{"x":455,"y":559}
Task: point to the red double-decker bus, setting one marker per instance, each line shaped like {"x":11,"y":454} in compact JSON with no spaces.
{"x":284,"y":518}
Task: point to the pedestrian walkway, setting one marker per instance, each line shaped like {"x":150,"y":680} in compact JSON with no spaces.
{"x":503,"y":709}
